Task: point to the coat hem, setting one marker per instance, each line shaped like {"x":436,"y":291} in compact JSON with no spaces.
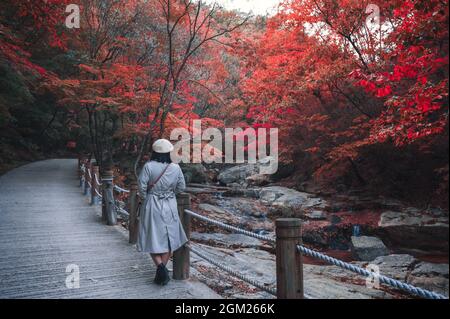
{"x":147,"y":251}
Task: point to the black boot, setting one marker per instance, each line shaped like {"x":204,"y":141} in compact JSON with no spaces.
{"x":159,"y":274}
{"x":165,"y":276}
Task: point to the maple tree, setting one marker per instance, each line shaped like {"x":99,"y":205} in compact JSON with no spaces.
{"x":337,"y":84}
{"x":342,"y":84}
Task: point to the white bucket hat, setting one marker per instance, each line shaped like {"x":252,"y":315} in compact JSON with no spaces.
{"x":162,"y":146}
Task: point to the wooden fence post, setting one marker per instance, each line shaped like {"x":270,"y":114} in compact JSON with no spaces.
{"x":181,"y":258}
{"x":289,"y":260}
{"x":87,"y":168}
{"x":95,"y":186}
{"x":109,"y":213}
{"x":133,"y":222}
{"x":83,"y":175}
{"x":80,"y":173}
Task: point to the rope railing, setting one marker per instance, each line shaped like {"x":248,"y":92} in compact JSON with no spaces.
{"x":120,"y":189}
{"x":232,"y":272}
{"x":98,"y":193}
{"x":229,"y":227}
{"x":122,"y":211}
{"x":97,"y":181}
{"x":383,"y":279}
{"x":118,"y":204}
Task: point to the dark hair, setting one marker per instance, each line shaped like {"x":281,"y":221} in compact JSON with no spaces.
{"x":161,"y":157}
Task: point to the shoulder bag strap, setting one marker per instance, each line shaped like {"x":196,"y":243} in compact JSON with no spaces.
{"x":151,"y":185}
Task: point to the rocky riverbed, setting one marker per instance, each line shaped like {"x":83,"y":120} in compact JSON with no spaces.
{"x":405,"y":242}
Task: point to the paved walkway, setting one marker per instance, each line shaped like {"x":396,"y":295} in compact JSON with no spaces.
{"x":46,"y":225}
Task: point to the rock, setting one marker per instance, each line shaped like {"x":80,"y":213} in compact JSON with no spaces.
{"x":320,"y":282}
{"x":415,"y":229}
{"x":201,"y":190}
{"x":249,"y":174}
{"x":395,"y":266}
{"x":335,"y":220}
{"x":212,"y":209}
{"x":258,"y":180}
{"x":243,"y":192}
{"x":237,"y":174}
{"x":315,"y":237}
{"x":288,"y":200}
{"x":407,"y":218}
{"x":282,"y":198}
{"x":243,"y":209}
{"x":316,"y":215}
{"x":438,"y":212}
{"x":332,"y":282}
{"x":227,"y":240}
{"x":256,"y":264}
{"x":237,"y":186}
{"x":247,"y":213}
{"x":433,"y":277}
{"x":430,"y":269}
{"x":195,"y":173}
{"x":315,"y":202}
{"x":271,"y":194}
{"x":368,"y":248}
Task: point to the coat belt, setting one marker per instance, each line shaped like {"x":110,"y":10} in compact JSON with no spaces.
{"x":163,"y":195}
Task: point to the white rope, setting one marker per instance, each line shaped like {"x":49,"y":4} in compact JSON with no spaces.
{"x":97,"y":181}
{"x":232,"y":272}
{"x":97,"y":192}
{"x":121,"y":190}
{"x":229,"y":227}
{"x":122,"y":211}
{"x":383,"y":279}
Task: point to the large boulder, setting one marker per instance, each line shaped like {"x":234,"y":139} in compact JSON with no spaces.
{"x":317,"y":215}
{"x":227,"y":240}
{"x":212,"y":209}
{"x":416,"y":229}
{"x":195,"y":173}
{"x":278,"y":195}
{"x":396,"y":266}
{"x":257,"y":174}
{"x":368,"y":248}
{"x":258,"y":180}
{"x":289,"y":201}
{"x":237,"y":174}
{"x":433,"y":277}
{"x":430,"y":276}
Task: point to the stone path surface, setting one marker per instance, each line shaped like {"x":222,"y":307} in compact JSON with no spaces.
{"x":46,"y":225}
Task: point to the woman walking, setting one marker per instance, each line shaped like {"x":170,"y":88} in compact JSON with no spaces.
{"x":160,"y":230}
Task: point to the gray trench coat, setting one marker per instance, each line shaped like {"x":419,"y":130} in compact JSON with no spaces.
{"x":160,"y":230}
